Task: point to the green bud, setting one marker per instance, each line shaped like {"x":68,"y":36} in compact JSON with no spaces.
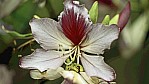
{"x":94,"y":12}
{"x":114,"y":20}
{"x":106,"y":20}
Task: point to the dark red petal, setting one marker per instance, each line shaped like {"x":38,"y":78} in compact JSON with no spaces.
{"x":73,"y":25}
{"x":124,"y":16}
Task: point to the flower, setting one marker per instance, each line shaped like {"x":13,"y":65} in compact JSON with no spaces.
{"x":73,"y":37}
{"x":70,"y":77}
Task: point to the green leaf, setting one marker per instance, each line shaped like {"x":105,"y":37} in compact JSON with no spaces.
{"x":94,"y":12}
{"x":6,"y":38}
{"x":3,"y":46}
{"x":106,"y":20}
{"x":134,"y":35}
{"x":42,"y":12}
{"x":139,"y":27}
{"x":7,"y":6}
{"x":114,"y":20}
{"x":144,"y":71}
{"x":20,"y":18}
{"x":119,"y":65}
{"x":55,"y":7}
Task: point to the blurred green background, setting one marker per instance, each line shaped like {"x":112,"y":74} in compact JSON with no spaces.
{"x":128,"y":55}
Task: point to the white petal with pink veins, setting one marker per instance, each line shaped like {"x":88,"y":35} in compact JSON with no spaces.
{"x":48,"y":34}
{"x":78,"y":9}
{"x":100,"y":38}
{"x":74,"y":21}
{"x":95,"y":66}
{"x":43,"y":60}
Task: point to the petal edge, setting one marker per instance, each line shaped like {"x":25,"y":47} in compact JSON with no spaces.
{"x":95,"y":66}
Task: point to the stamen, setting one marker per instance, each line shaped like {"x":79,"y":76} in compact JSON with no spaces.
{"x":74,"y":55}
{"x":78,"y":60}
{"x":78,"y":55}
{"x":68,"y":62}
{"x":73,"y":48}
{"x":71,"y":57}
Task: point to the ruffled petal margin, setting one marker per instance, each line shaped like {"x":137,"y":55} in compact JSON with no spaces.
{"x":95,"y":66}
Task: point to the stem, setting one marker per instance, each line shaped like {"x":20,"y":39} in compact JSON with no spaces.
{"x":24,"y":44}
{"x":37,"y":82}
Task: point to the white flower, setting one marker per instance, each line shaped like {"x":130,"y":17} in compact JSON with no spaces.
{"x":75,"y":37}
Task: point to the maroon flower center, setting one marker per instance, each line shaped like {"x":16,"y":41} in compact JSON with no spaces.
{"x":73,"y":25}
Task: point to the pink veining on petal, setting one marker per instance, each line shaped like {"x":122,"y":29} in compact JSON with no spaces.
{"x":73,"y":25}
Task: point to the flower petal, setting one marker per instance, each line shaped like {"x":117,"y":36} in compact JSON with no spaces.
{"x":43,"y":60}
{"x":50,"y":74}
{"x":36,"y":74}
{"x":47,"y":33}
{"x":74,"y":21}
{"x":72,"y":77}
{"x":95,"y":66}
{"x":100,"y":38}
{"x":78,"y":9}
